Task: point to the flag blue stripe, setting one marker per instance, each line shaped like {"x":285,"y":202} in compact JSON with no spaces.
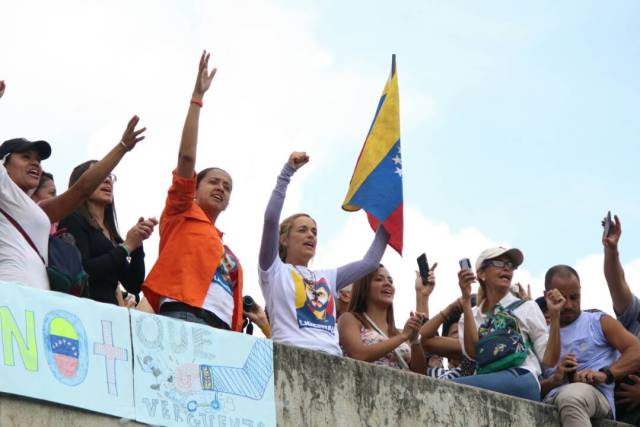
{"x":381,"y":193}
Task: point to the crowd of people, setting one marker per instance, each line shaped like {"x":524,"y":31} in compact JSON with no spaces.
{"x":583,"y":361}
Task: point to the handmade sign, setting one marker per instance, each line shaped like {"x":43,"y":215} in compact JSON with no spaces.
{"x":187,"y":374}
{"x":65,"y":349}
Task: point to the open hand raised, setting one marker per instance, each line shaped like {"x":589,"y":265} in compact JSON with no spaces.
{"x":203,"y":81}
{"x":131,"y":136}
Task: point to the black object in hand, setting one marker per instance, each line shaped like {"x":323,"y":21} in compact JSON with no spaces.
{"x":423,"y":265}
{"x":248,"y":303}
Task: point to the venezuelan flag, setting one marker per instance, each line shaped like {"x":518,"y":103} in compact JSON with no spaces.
{"x":376,"y":184}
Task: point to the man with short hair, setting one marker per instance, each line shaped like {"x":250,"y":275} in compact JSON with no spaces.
{"x":581,"y":385}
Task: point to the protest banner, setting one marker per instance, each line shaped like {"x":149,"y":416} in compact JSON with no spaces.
{"x":65,"y":349}
{"x":187,"y":374}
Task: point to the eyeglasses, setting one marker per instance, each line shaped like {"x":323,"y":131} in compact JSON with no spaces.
{"x":498,"y":263}
{"x":112,"y":177}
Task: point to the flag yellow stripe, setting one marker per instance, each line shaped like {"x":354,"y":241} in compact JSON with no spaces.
{"x":385,"y":132}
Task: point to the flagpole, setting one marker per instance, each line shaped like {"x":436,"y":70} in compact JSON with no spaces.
{"x":393,"y":63}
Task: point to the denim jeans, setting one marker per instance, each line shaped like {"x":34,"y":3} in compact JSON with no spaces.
{"x":516,"y":382}
{"x":186,"y":316}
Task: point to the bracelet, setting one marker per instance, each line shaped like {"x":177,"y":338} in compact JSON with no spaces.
{"x":416,"y":341}
{"x":126,"y":249}
{"x":126,"y":147}
{"x":197,"y":101}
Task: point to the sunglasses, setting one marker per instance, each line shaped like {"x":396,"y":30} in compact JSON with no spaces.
{"x":112,"y":177}
{"x":498,"y":263}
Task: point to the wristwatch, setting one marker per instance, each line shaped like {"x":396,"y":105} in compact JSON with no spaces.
{"x":610,"y":379}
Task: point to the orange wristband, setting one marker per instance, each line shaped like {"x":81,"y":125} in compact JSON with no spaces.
{"x":197,"y":101}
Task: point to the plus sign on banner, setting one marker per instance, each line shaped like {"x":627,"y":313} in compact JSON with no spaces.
{"x":65,"y":349}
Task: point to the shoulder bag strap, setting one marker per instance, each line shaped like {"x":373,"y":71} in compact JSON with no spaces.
{"x":401,"y":361}
{"x":24,"y":234}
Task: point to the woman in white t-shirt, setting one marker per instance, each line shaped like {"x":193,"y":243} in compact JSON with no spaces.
{"x":301,"y":301}
{"x":494,"y":270}
{"x":21,"y":260}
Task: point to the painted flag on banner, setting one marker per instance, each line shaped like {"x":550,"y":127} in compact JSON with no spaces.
{"x":376,"y":184}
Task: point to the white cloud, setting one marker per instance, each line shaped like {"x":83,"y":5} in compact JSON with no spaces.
{"x":447,"y":247}
{"x":79,"y":70}
{"x":76,"y":71}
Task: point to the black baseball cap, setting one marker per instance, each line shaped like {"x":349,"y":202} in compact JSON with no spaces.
{"x":20,"y":145}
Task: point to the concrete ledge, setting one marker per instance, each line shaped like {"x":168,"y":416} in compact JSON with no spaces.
{"x":315,"y":389}
{"x":22,"y":411}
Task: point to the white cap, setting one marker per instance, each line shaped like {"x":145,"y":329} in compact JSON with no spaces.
{"x":514,"y":254}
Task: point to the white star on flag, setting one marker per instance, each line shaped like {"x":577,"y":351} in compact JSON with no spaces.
{"x":397,"y":159}
{"x":398,"y":171}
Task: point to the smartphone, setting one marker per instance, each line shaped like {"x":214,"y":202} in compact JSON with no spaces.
{"x":465,"y":264}
{"x":607,"y":225}
{"x":423,"y":265}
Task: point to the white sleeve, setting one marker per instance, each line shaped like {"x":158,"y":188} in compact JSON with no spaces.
{"x":461,"y":336}
{"x":536,"y":328}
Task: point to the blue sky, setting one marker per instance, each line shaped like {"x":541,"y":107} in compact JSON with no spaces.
{"x":534,"y":130}
{"x":519,"y":120}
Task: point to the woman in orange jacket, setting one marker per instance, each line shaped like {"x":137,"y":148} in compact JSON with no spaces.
{"x":196,"y":277}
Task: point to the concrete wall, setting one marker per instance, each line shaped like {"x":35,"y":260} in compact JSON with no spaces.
{"x":314,"y":389}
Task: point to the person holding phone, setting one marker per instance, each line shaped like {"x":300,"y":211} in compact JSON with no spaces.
{"x":368,"y":331}
{"x":301,"y":300}
{"x":627,"y":309}
{"x":537,"y":346}
{"x":625,"y":303}
{"x":197,"y":278}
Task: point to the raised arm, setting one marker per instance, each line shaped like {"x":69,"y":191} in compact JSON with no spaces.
{"x":62,"y":205}
{"x":442,"y":346}
{"x":424,"y":290}
{"x":613,"y":271}
{"x":470,"y":329}
{"x":555,"y":302}
{"x":270,"y":230}
{"x":351,"y":272}
{"x":189,"y":142}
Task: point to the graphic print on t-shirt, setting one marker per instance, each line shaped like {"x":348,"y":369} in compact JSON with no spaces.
{"x":226,"y":275}
{"x":314,"y":303}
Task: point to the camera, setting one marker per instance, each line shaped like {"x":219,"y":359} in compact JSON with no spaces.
{"x":247,"y":303}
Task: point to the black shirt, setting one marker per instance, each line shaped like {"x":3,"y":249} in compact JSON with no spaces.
{"x":104,"y":261}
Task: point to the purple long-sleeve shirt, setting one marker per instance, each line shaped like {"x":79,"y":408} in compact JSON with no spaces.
{"x":347,"y":273}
